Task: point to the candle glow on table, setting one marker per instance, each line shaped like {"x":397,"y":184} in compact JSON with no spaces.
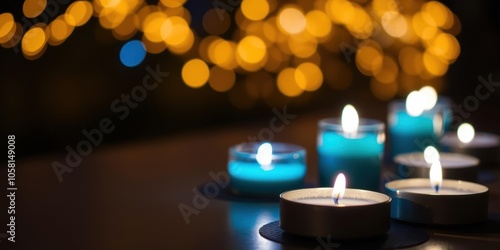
{"x":336,"y":212}
{"x":353,"y":146}
{"x":418,"y":122}
{"x":445,"y":202}
{"x":266,"y":169}
{"x":466,"y":140}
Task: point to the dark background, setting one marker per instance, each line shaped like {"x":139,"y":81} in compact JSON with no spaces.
{"x":47,"y":102}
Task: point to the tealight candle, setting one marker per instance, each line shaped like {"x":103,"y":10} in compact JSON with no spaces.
{"x":336,"y":212}
{"x":266,"y":169}
{"x":437,"y":201}
{"x":455,"y":166}
{"x":418,"y":122}
{"x":353,"y":146}
{"x":484,"y":146}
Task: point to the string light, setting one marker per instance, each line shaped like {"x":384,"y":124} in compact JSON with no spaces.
{"x":399,"y":45}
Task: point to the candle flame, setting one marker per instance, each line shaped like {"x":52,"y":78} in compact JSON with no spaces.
{"x":465,"y":133}
{"x":265,"y":155}
{"x":436,"y":175}
{"x":414,"y":104}
{"x":431,"y":155}
{"x":429,"y":97}
{"x":350,"y":120}
{"x":338,"y":188}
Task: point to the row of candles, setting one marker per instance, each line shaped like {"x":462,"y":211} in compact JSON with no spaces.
{"x":350,"y":150}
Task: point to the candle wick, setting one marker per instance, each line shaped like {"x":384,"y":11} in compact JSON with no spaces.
{"x":436,"y":187}
{"x":336,"y":200}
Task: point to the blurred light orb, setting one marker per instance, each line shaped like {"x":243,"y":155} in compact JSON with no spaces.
{"x":132,"y":53}
{"x":251,"y":49}
{"x":292,"y":20}
{"x":255,"y":10}
{"x":195,"y":73}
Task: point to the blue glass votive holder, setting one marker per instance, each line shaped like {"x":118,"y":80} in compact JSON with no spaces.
{"x":358,"y":156}
{"x":409,"y":134}
{"x":285,"y":171}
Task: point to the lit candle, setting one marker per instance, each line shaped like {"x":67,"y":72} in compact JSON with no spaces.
{"x":443,"y":202}
{"x":353,"y":146}
{"x":418,"y":122}
{"x":454,"y":166}
{"x":266,"y":169}
{"x":336,"y":212}
{"x":484,"y":146}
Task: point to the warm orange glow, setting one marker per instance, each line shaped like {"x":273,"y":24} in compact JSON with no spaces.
{"x":394,"y":24}
{"x":59,"y":31}
{"x":383,"y":91}
{"x":195,"y":73}
{"x":174,"y":30}
{"x":291,"y":20}
{"x":78,"y":13}
{"x":308,"y":76}
{"x":153,"y":27}
{"x":445,"y":46}
{"x":33,"y":41}
{"x":127,"y":28}
{"x":7,"y":27}
{"x":33,"y":8}
{"x":434,"y":65}
{"x":318,"y":24}
{"x":173,"y":3}
{"x":255,"y":10}
{"x":287,"y":84}
{"x":251,"y":49}
{"x":369,"y":60}
{"x":221,"y":52}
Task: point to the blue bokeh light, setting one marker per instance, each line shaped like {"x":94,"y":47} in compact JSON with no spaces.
{"x":132,"y":53}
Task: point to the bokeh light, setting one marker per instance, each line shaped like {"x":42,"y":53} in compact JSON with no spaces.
{"x":265,"y":50}
{"x":132,"y":53}
{"x":195,"y":73}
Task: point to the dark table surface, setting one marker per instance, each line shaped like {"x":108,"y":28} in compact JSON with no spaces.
{"x":127,"y":196}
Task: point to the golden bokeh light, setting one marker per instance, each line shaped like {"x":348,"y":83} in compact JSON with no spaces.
{"x":60,"y":30}
{"x":434,"y":65}
{"x":33,"y":41}
{"x":369,"y":59}
{"x":292,"y":20}
{"x":308,"y":76}
{"x":7,"y":27}
{"x":251,"y":49}
{"x":221,"y":80}
{"x":255,"y":10}
{"x":394,"y":24}
{"x":33,"y":8}
{"x":318,"y":24}
{"x":78,"y":13}
{"x":153,"y":26}
{"x":287,"y":84}
{"x":195,"y":73}
{"x":173,"y":3}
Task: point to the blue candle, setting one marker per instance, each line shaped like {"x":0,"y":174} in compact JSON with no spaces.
{"x":356,"y":153}
{"x":412,"y":127}
{"x":266,"y":169}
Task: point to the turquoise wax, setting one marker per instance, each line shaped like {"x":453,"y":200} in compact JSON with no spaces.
{"x":250,"y":178}
{"x":286,"y":170}
{"x":359,"y":158}
{"x":411,"y":134}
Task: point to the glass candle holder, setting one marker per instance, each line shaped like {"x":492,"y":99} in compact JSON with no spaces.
{"x":409,"y":134}
{"x":358,"y":156}
{"x":285,"y":169}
